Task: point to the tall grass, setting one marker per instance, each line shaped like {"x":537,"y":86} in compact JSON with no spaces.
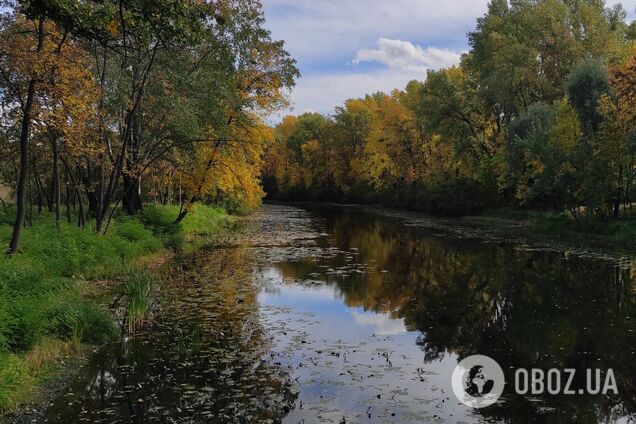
{"x":139,"y":290}
{"x":40,"y":296}
{"x":565,"y":225}
{"x":201,"y":223}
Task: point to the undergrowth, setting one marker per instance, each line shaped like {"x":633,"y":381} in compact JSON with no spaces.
{"x":40,"y":296}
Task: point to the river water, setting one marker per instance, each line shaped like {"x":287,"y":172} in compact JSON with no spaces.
{"x":337,"y":315}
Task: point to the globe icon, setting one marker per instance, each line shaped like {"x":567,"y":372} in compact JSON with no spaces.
{"x":477,"y":383}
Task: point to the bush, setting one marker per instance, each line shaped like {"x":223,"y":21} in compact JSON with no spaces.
{"x":565,"y":224}
{"x":202,"y":220}
{"x":39,"y":286}
{"x":456,"y":197}
{"x":36,"y":285}
{"x":81,"y":321}
{"x":160,"y":219}
{"x":135,"y":232}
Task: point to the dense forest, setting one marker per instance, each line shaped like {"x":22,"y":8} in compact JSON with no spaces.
{"x":539,"y":115}
{"x":106,"y":103}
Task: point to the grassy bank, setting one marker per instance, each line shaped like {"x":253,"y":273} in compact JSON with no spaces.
{"x":44,"y":313}
{"x":564,"y":225}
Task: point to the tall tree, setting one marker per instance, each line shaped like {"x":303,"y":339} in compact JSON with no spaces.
{"x":21,"y":74}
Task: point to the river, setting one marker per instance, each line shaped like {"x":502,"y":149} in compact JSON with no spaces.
{"x":339,"y":315}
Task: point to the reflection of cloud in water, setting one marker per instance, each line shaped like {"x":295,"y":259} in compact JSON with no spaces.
{"x":383,"y":324}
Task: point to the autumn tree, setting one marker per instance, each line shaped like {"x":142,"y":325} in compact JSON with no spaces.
{"x":22,"y":70}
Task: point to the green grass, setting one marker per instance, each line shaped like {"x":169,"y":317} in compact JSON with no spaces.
{"x":199,"y":225}
{"x":40,"y":286}
{"x":139,"y":291}
{"x":563,"y":224}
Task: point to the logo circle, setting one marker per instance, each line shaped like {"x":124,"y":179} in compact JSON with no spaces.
{"x":478,"y":381}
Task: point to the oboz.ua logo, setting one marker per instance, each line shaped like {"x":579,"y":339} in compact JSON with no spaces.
{"x":478,"y":381}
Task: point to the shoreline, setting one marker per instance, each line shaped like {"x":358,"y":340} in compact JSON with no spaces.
{"x":57,"y":370}
{"x":491,"y":228}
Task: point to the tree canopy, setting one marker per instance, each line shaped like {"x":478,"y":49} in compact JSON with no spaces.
{"x":539,"y":114}
{"x":110,"y":103}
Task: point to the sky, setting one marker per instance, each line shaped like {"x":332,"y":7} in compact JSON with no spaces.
{"x":349,"y":48}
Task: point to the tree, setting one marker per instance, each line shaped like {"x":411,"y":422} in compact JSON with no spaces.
{"x":586,"y":85}
{"x":21,"y":74}
{"x":616,"y":141}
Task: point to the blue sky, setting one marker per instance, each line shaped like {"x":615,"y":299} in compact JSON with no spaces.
{"x":347,"y":48}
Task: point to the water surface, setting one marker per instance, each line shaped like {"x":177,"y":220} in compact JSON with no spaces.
{"x":336,"y":315}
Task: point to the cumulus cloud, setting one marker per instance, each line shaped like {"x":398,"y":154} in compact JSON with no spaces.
{"x":326,"y":36}
{"x":382,"y":324}
{"x":402,"y":60}
{"x":315,"y":31}
{"x":399,"y":54}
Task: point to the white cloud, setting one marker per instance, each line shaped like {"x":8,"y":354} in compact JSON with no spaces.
{"x":399,"y":54}
{"x":328,"y":29}
{"x":403,"y":62}
{"x":382,"y":324}
{"x":326,"y":35}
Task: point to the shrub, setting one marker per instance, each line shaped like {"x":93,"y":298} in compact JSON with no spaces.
{"x":81,"y":321}
{"x":160,"y":219}
{"x":202,"y":220}
{"x":135,"y":232}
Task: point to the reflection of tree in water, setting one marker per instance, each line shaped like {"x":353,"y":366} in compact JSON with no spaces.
{"x":201,"y":362}
{"x":523,"y":308}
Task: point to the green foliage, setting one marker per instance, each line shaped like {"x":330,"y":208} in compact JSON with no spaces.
{"x":201,"y":221}
{"x":80,"y":321}
{"x":160,"y":219}
{"x":40,"y":294}
{"x":38,"y":287}
{"x":138,"y":291}
{"x":132,"y":231}
{"x":457,"y":197}
{"x":564,"y":224}
{"x":586,"y":85}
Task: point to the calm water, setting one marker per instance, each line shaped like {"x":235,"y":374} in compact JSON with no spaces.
{"x":334,"y":316}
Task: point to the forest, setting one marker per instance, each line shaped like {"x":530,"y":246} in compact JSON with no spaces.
{"x":540,"y":115}
{"x":103,"y":104}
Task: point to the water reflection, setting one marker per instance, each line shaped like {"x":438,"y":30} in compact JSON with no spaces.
{"x":202,"y":360}
{"x":531,"y":309}
{"x":337,"y":316}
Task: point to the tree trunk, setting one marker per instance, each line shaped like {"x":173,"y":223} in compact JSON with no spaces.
{"x":69,"y":216}
{"x":182,"y":215}
{"x":39,"y":195}
{"x":41,"y":191}
{"x":131,"y":200}
{"x":57,"y":192}
{"x":81,"y":216}
{"x":93,"y":202}
{"x":14,"y":245}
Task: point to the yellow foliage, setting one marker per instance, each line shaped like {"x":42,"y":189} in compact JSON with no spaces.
{"x":232,"y":166}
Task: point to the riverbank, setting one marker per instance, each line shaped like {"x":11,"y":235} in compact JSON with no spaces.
{"x":60,"y":294}
{"x":541,"y":230}
{"x":564,"y":225}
